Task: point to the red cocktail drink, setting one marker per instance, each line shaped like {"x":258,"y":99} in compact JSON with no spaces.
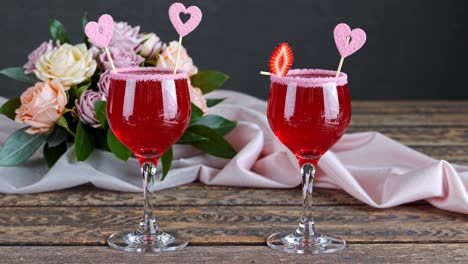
{"x":308,"y":111}
{"x":148,"y":114}
{"x":308,"y":120}
{"x":148,"y":109}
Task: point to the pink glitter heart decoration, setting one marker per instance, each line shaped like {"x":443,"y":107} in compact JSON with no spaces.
{"x":357,"y":35}
{"x":100,"y":33}
{"x":184,"y":28}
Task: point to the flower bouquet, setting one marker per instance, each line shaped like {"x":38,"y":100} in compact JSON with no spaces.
{"x":67,"y":101}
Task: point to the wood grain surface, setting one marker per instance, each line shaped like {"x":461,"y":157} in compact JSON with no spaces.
{"x":356,"y":253}
{"x":229,"y":225}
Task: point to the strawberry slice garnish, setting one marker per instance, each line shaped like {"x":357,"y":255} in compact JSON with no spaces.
{"x":281,"y":59}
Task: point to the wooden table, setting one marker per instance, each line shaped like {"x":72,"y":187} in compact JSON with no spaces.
{"x":229,"y":225}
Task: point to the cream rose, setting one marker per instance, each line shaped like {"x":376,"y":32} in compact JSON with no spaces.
{"x":168,"y":56}
{"x":150,"y":46}
{"x":68,"y":64}
{"x":41,"y":106}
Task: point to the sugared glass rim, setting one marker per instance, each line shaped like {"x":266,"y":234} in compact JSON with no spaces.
{"x":310,"y":81}
{"x":128,"y":73}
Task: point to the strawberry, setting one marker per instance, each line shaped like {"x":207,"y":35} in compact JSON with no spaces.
{"x":281,"y":59}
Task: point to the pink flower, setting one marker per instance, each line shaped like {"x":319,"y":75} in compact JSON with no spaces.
{"x":197,"y":98}
{"x":95,"y":51}
{"x":126,"y":37}
{"x":122,"y":58}
{"x":84,"y":107}
{"x":41,"y":106}
{"x":103,"y":84}
{"x":44,"y":48}
{"x":168,"y":56}
{"x":150,"y":46}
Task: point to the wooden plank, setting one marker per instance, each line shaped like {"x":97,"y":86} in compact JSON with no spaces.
{"x":195,"y":194}
{"x":409,"y":120}
{"x":408,"y":107}
{"x":453,"y":154}
{"x":230,"y":225}
{"x":421,"y":136}
{"x":377,"y":253}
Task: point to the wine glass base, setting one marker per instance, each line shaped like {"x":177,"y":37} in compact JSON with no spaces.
{"x":317,"y":244}
{"x":160,"y":242}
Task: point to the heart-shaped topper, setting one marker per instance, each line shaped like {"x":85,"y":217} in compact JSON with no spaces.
{"x":357,"y":39}
{"x":184,"y":28}
{"x":100,"y":33}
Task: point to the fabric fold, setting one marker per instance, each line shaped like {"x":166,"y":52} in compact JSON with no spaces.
{"x":369,"y":166}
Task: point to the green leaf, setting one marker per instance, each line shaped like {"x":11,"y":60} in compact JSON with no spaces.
{"x":119,"y":149}
{"x":79,"y":90}
{"x":84,"y":21}
{"x":18,"y":74}
{"x":63,"y":123}
{"x":150,"y":63}
{"x":100,"y":109}
{"x":56,"y":137}
{"x":216,"y":145}
{"x":9,"y":107}
{"x":58,"y":32}
{"x":166,"y":162}
{"x":84,"y":142}
{"x":208,"y":81}
{"x":197,"y":113}
{"x":52,"y":154}
{"x":214,"y":101}
{"x":189,"y":137}
{"x":71,"y":99}
{"x":100,"y":136}
{"x":219,"y":124}
{"x":19,"y":147}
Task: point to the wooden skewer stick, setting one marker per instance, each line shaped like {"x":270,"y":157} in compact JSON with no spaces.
{"x":110,"y":60}
{"x":340,"y":65}
{"x":265,"y":73}
{"x":178,"y":54}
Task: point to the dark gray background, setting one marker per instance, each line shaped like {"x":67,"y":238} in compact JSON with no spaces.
{"x":415,"y":49}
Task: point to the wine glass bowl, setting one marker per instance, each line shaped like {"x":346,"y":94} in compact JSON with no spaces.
{"x":148,"y":110}
{"x":307,"y":119}
{"x":308,"y":111}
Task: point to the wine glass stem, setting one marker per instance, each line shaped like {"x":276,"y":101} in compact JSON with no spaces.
{"x":148,"y":223}
{"x":306,"y":226}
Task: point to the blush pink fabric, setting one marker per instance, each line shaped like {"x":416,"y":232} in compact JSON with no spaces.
{"x":369,"y":166}
{"x":184,"y":28}
{"x":342,"y":32}
{"x":384,"y":173}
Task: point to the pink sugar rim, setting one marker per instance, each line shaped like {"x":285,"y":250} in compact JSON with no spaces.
{"x":127,"y":73}
{"x":310,"y":81}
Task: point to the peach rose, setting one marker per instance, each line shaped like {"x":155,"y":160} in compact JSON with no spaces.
{"x":168,"y":57}
{"x":197,"y":98}
{"x":41,"y":106}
